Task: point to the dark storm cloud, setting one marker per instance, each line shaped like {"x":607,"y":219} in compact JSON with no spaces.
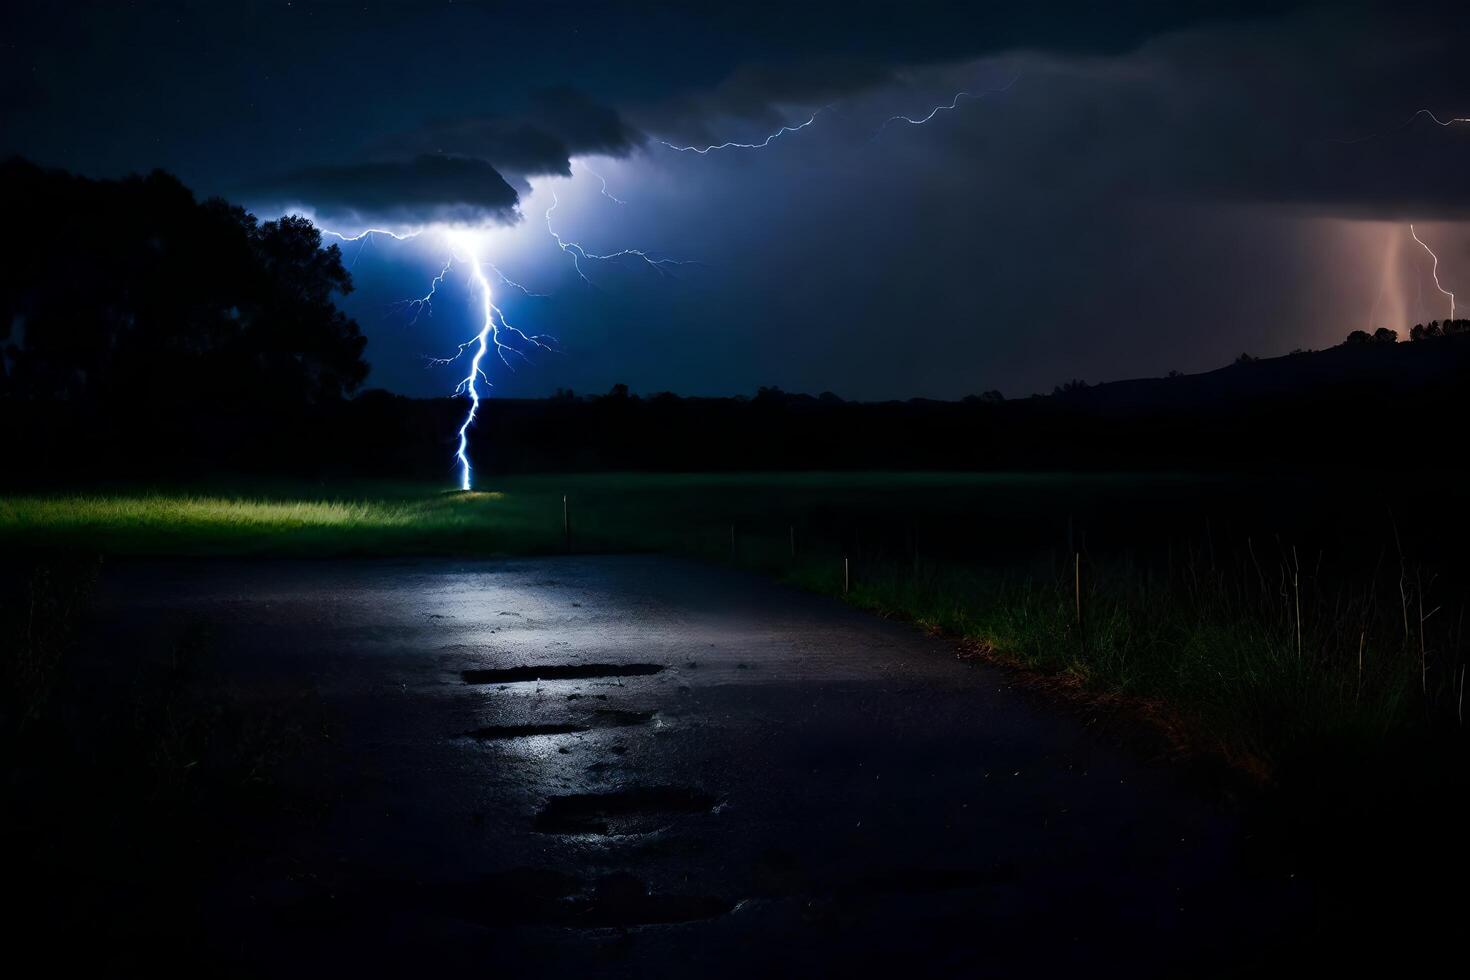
{"x":1314,"y":111}
{"x":97,"y":85}
{"x":758,"y":93}
{"x":556,"y":125}
{"x":426,"y":189}
{"x":586,"y":126}
{"x":513,"y":148}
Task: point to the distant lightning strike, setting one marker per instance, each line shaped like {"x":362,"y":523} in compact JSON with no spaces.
{"x":1444,"y":124}
{"x":1434,"y":270}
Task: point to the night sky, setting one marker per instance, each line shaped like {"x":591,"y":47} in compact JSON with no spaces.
{"x":1125,"y":189}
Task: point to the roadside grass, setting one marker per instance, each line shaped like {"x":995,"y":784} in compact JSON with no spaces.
{"x":1219,"y":669}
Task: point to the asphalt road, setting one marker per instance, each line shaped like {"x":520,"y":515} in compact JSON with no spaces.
{"x":641,"y":766}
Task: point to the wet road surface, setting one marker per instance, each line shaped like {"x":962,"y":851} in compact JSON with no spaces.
{"x":638,"y":766}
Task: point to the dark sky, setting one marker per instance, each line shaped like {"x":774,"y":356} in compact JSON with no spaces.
{"x":1128,"y":188}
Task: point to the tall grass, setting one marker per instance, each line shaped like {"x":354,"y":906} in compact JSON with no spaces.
{"x":1266,"y":664}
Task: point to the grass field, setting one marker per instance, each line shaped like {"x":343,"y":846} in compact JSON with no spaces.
{"x":1182,"y":597}
{"x":525,"y":514}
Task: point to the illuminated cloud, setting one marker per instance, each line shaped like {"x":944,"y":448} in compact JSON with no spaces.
{"x":429,"y":189}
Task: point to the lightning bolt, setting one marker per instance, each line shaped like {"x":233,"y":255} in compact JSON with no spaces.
{"x":1453,"y":121}
{"x":470,"y":384}
{"x":949,"y":106}
{"x":1421,"y":114}
{"x":492,"y":324}
{"x":1434,"y":270}
{"x":702,"y":150}
{"x":496,"y":333}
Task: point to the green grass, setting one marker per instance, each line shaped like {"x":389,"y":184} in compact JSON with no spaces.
{"x":169,"y":524}
{"x":521,"y":515}
{"x":1217,"y":663}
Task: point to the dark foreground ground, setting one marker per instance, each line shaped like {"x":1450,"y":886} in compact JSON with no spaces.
{"x":713,"y":775}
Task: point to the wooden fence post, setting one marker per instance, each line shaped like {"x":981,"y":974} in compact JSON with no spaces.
{"x":1077,"y":587}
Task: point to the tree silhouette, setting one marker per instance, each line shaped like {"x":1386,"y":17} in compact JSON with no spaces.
{"x":133,"y":296}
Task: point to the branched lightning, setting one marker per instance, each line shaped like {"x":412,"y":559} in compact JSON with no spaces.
{"x":470,"y":384}
{"x":496,"y":333}
{"x":578,"y":253}
{"x":492,"y":324}
{"x":425,"y":303}
{"x":953,"y":104}
{"x":1434,"y":270}
{"x":512,"y":283}
{"x":604,"y":191}
{"x":732,"y":145}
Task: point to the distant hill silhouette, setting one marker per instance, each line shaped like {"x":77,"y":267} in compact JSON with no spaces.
{"x":1377,"y":370}
{"x":1358,"y":405}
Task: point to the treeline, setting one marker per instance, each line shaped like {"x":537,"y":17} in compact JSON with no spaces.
{"x":1433,"y":330}
{"x":1355,"y":406}
{"x":1346,"y":407}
